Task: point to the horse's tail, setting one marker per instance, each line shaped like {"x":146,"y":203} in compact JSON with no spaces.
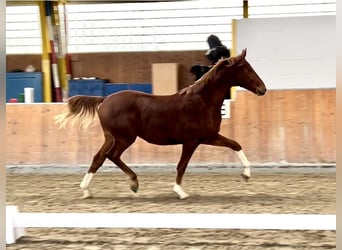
{"x":81,"y":108}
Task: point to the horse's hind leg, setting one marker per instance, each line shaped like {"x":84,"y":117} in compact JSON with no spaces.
{"x":115,"y":156}
{"x":222,"y":141}
{"x":97,"y":162}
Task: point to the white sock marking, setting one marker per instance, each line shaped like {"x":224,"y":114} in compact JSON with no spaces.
{"x":85,"y":184}
{"x":245,"y":162}
{"x":178,"y":189}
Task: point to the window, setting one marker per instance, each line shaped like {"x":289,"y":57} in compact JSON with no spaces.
{"x":164,"y":26}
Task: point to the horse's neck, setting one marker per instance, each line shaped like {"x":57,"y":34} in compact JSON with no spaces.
{"x":215,"y":91}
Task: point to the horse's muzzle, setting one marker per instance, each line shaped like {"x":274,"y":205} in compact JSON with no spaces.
{"x":261,"y":91}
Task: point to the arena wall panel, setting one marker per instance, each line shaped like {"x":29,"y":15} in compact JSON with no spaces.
{"x":296,"y":126}
{"x":290,"y":52}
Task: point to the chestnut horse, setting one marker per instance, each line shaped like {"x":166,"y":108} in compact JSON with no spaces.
{"x":189,"y":117}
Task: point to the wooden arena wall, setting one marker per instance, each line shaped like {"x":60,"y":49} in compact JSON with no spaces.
{"x":296,"y":126}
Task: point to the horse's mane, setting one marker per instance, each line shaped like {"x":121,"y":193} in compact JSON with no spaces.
{"x":204,"y":80}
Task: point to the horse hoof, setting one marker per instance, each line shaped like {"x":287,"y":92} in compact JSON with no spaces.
{"x":245,"y":177}
{"x":135,"y":187}
{"x":178,"y":190}
{"x":87,"y":196}
{"x":183,"y":196}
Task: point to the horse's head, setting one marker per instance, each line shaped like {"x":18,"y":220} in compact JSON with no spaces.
{"x":243,"y":74}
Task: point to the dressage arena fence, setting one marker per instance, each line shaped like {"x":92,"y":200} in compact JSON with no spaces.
{"x":17,"y":222}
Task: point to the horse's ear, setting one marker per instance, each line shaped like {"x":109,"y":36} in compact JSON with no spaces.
{"x":243,"y":53}
{"x":240,"y":59}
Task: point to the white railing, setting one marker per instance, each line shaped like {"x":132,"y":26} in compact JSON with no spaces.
{"x":16,"y":222}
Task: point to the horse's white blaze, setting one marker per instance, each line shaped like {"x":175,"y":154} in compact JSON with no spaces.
{"x":178,"y":189}
{"x":245,"y":162}
{"x":85,"y":184}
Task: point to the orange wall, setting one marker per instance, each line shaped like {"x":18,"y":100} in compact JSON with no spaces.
{"x":292,"y":125}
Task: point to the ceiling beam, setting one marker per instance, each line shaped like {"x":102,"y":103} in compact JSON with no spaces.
{"x":30,"y":2}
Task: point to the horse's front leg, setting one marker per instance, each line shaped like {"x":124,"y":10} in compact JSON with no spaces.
{"x":222,"y":141}
{"x":187,"y":151}
{"x":246,"y":174}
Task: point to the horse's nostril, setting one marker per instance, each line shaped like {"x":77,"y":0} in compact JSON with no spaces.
{"x":261,"y":91}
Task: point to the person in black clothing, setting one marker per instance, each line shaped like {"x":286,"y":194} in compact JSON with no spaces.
{"x":216,"y":51}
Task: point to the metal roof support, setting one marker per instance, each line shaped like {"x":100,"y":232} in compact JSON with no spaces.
{"x":245,"y":8}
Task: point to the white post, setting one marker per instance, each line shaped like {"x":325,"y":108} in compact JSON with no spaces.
{"x":12,"y":232}
{"x":225,"y":109}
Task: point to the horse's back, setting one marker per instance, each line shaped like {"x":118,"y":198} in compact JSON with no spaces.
{"x":126,"y":94}
{"x":119,"y":102}
{"x":130,"y":104}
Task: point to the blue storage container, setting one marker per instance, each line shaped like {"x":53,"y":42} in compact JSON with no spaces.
{"x":110,"y":88}
{"x":90,"y":87}
{"x":17,"y":81}
{"x":142,"y":87}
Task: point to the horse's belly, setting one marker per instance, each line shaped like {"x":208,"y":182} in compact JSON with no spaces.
{"x":161,"y":138}
{"x":175,"y":135}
